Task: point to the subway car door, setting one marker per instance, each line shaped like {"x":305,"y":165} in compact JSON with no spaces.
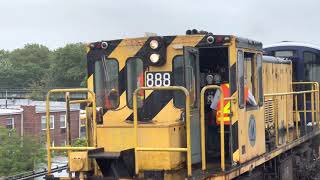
{"x":191,"y":65}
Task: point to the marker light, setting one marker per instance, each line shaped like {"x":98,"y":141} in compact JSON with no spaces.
{"x":154,"y":44}
{"x":104,"y":45}
{"x":210,"y":39}
{"x":219,"y":39}
{"x":154,"y":58}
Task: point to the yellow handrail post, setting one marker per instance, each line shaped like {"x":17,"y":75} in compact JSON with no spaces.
{"x":188,"y":133}
{"x":48,"y":132}
{"x":297,"y":114}
{"x":223,"y":167}
{"x":135,"y":127}
{"x":305,"y":112}
{"x":202,"y":126}
{"x":135,"y":133}
{"x":68,"y":148}
{"x":202,"y":122}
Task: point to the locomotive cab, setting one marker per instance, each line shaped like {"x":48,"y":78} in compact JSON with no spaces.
{"x":192,"y":62}
{"x":200,"y":105}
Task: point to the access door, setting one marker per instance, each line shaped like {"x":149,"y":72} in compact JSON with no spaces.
{"x":191,"y":65}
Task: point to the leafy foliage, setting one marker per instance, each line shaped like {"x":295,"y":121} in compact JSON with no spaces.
{"x":80,"y":142}
{"x":37,"y":67}
{"x":18,"y":155}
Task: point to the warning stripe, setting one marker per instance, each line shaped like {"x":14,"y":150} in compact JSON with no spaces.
{"x":158,"y":102}
{"x":155,"y":101}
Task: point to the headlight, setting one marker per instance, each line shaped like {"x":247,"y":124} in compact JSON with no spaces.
{"x":154,"y":58}
{"x":154,"y":44}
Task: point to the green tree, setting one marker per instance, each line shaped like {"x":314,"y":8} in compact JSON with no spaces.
{"x":25,"y":66}
{"x":18,"y":155}
{"x":68,"y":66}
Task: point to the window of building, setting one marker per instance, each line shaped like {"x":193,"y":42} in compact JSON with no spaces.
{"x":178,"y":80}
{"x":10,"y":123}
{"x":43,"y":122}
{"x":135,"y":79}
{"x":63,"y":121}
{"x":106,"y":79}
{"x":311,"y":66}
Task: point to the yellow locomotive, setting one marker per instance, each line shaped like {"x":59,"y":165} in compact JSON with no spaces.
{"x":150,"y":109}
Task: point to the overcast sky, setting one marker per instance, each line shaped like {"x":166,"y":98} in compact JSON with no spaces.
{"x":57,"y":22}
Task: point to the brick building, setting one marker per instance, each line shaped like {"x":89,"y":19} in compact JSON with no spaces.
{"x":29,"y":118}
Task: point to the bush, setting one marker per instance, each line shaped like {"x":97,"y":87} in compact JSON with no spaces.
{"x":19,"y":154}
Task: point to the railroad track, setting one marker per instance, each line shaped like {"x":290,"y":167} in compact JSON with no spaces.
{"x":34,"y":174}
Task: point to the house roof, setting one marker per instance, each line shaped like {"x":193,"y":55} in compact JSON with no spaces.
{"x":40,"y":106}
{"x":9,"y":111}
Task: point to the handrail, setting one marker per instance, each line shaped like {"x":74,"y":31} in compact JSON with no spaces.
{"x":315,"y":85}
{"x":203,"y":146}
{"x":135,"y":126}
{"x":67,"y":148}
{"x":314,"y":92}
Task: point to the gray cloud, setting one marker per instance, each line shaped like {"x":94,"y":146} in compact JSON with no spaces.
{"x":57,"y":22}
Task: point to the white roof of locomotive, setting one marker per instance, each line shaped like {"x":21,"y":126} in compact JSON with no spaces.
{"x":292,"y":43}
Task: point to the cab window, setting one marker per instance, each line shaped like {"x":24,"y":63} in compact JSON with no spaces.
{"x":106,"y":79}
{"x":135,"y":78}
{"x":178,"y":78}
{"x":240,"y":78}
{"x":250,"y":79}
{"x":190,"y":79}
{"x":260,"y":83}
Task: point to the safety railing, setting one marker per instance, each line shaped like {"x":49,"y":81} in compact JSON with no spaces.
{"x":314,"y":92}
{"x":315,"y":105}
{"x":69,"y":148}
{"x":202,"y":122}
{"x":135,"y":126}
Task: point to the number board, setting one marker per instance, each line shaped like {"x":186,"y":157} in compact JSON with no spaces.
{"x":158,"y":79}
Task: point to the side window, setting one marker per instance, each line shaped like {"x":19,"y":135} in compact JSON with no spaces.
{"x":135,"y":78}
{"x":178,"y":78}
{"x":240,"y":78}
{"x":106,"y":83}
{"x":190,"y":75}
{"x":250,"y":79}
{"x":311,"y":66}
{"x":260,"y":83}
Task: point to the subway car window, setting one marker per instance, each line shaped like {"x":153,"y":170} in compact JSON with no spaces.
{"x":284,"y":53}
{"x":311,"y":66}
{"x":106,"y":83}
{"x":178,"y":78}
{"x":135,"y":79}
